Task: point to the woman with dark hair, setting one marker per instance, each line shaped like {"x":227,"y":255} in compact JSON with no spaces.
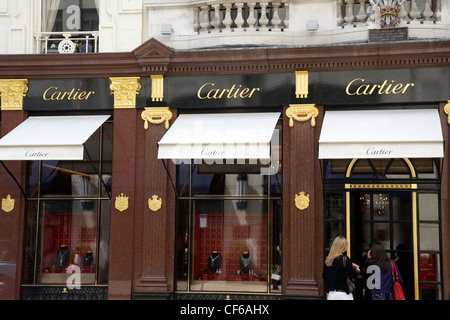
{"x":383,"y":286}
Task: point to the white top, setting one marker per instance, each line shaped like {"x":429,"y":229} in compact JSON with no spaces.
{"x":50,"y":138}
{"x":413,"y":133}
{"x":219,"y":136}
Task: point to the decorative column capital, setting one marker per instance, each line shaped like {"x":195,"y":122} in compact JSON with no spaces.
{"x":447,"y":111}
{"x":12,"y":92}
{"x":156,"y":115}
{"x":302,"y":112}
{"x":125,"y":90}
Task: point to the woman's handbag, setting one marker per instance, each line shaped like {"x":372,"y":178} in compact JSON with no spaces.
{"x":398,"y":290}
{"x":350,"y":282}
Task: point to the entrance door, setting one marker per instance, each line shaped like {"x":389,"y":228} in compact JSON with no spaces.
{"x":384,"y":216}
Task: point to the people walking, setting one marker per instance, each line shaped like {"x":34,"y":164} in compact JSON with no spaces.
{"x":382,"y":288}
{"x":337,"y":268}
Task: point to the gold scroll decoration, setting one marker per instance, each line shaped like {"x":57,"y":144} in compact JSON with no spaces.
{"x":121,"y":203}
{"x":125,"y":90}
{"x":156,"y":115}
{"x":8,"y":203}
{"x":154,"y":203}
{"x":157,"y":87}
{"x":12,"y":92}
{"x":302,"y":200}
{"x":447,"y":111}
{"x":301,"y":84}
{"x":302,"y":112}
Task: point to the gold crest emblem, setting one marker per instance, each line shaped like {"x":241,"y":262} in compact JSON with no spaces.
{"x":8,"y":203}
{"x":302,"y":201}
{"x":121,"y":202}
{"x":154,"y":203}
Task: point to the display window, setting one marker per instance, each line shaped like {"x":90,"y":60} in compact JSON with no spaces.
{"x":68,"y":215}
{"x":229,"y":228}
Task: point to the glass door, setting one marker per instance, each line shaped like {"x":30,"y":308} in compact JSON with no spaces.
{"x":385,"y":217}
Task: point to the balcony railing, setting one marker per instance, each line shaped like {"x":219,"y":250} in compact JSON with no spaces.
{"x":355,"y":13}
{"x":226,"y":16}
{"x":67,"y":42}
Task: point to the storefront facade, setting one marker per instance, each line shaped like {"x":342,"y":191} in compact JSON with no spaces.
{"x":210,"y":177}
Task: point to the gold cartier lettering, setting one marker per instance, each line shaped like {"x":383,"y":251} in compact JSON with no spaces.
{"x":359,"y":88}
{"x":208,"y":91}
{"x":52,"y":93}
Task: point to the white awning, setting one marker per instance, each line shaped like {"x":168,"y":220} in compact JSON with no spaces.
{"x":402,"y":133}
{"x":219,"y":136}
{"x":50,"y":138}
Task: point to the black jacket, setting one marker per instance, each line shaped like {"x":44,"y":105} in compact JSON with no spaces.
{"x":334,"y":276}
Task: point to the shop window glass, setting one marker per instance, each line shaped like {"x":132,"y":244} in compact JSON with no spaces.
{"x":430,"y":279}
{"x":230,"y":245}
{"x":229,"y":227}
{"x":428,"y":206}
{"x":67,"y":230}
{"x":429,"y":236}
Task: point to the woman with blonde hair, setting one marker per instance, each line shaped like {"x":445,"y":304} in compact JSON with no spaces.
{"x":336,"y":268}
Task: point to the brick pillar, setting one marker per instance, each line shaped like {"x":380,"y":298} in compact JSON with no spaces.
{"x":12,"y":222}
{"x":299,"y":159}
{"x":155,"y":223}
{"x":126,"y":122}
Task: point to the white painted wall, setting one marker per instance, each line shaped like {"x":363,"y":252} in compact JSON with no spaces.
{"x":125,"y":24}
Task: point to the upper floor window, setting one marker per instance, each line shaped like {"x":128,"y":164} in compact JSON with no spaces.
{"x":69,"y":15}
{"x":68,"y":26}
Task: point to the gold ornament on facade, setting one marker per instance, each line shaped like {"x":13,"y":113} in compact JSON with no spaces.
{"x":447,"y":111}
{"x":154,"y":203}
{"x":301,"y":84}
{"x":157,"y":87}
{"x":12,"y":92}
{"x":156,"y":115}
{"x":8,"y":203}
{"x":302,"y":113}
{"x":302,"y":201}
{"x":121,"y":203}
{"x":125,"y":90}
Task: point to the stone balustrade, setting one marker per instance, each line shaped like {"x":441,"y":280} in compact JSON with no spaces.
{"x":357,"y":13}
{"x":226,"y":16}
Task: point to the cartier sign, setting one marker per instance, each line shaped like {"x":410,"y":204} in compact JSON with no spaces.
{"x":69,"y":94}
{"x":359,"y":87}
{"x":54,"y":93}
{"x":210,"y":91}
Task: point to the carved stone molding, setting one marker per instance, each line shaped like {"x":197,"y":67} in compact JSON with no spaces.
{"x":301,"y":84}
{"x":302,"y":113}
{"x":156,"y":115}
{"x":157,"y":87}
{"x":447,"y":111}
{"x":12,"y":92}
{"x":125,"y":90}
{"x":153,"y":56}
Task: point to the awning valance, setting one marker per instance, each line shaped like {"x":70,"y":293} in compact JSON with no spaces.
{"x":219,"y":136}
{"x":412,"y":133}
{"x":50,"y":138}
